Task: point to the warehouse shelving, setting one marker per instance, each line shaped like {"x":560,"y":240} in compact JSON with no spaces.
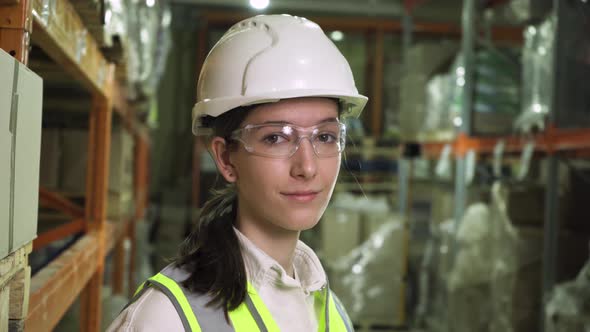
{"x":58,"y":30}
{"x":552,"y":142}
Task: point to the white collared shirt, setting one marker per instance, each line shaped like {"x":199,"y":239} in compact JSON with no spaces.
{"x":289,"y":300}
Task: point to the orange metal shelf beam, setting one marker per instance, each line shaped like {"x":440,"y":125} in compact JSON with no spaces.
{"x":551,"y":141}
{"x":15,"y":28}
{"x":59,"y":233}
{"x":56,"y":201}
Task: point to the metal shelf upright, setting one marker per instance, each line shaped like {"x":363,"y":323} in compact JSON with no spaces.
{"x":56,"y":27}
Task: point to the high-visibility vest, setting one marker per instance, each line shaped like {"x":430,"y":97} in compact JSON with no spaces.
{"x":251,"y":315}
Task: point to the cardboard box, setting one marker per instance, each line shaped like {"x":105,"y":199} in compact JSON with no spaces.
{"x":50,"y":158}
{"x":120,"y":206}
{"x":121,"y":161}
{"x":74,"y":161}
{"x":20,"y":144}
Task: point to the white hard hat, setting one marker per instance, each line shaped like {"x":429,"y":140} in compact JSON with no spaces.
{"x":272,"y":57}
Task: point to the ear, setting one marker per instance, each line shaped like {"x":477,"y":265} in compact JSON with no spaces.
{"x":220,"y":153}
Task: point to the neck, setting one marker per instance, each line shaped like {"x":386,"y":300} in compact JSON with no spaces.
{"x":276,"y":242}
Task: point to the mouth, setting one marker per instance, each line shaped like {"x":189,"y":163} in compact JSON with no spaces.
{"x":301,"y":196}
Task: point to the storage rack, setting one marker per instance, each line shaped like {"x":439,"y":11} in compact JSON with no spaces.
{"x":57,"y":28}
{"x":377,"y":27}
{"x":553,"y":141}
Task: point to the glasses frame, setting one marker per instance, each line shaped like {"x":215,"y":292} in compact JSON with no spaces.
{"x":236,"y":135}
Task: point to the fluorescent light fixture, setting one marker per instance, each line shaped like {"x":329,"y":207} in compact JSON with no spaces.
{"x":150,"y":3}
{"x":337,"y":35}
{"x":259,"y":4}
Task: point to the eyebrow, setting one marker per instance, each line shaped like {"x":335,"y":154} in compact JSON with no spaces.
{"x":330,"y":119}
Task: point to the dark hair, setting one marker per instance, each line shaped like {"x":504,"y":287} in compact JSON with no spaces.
{"x":211,"y":252}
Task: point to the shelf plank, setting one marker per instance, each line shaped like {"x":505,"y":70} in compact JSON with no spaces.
{"x":59,"y":31}
{"x":551,"y":141}
{"x":56,"y":286}
{"x":63,"y":280}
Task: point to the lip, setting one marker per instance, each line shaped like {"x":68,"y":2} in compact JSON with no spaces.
{"x":301,"y":196}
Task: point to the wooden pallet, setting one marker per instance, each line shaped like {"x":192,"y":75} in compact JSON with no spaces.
{"x":15,"y":280}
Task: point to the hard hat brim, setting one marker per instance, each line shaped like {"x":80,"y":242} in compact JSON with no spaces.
{"x":352,"y":104}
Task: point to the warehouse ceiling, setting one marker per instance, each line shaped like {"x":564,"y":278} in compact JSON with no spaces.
{"x":448,"y":10}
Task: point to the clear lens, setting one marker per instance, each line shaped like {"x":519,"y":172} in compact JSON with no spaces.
{"x":282,"y":141}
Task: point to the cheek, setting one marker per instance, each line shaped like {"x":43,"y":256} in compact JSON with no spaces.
{"x":330,"y":168}
{"x":260,"y":171}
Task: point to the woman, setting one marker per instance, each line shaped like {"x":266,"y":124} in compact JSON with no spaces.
{"x":271,"y":95}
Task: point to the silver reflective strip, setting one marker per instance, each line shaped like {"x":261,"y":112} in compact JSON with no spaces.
{"x":172,"y":299}
{"x":343,"y":314}
{"x":255,"y":314}
{"x":211,"y":318}
{"x":136,"y":296}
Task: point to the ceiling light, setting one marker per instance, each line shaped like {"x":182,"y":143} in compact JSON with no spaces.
{"x":337,"y":36}
{"x":259,"y":4}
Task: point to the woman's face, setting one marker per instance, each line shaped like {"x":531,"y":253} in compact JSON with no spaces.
{"x":290,"y":193}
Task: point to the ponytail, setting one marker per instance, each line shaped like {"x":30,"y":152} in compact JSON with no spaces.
{"x":212,"y":255}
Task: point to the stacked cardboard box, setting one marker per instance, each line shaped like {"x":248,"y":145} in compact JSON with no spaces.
{"x":73,"y":170}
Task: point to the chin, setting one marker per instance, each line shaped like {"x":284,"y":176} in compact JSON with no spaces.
{"x":300,"y":222}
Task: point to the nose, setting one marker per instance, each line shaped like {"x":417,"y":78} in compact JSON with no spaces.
{"x":304,"y":161}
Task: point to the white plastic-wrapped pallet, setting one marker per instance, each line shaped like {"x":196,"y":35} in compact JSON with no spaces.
{"x":485,"y":268}
{"x":568,"y":309}
{"x":471,"y":272}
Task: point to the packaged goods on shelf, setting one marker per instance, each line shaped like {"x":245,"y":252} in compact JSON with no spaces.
{"x":537,"y":74}
{"x":572,"y":94}
{"x":521,"y":11}
{"x":430,"y":57}
{"x":50,"y":158}
{"x":423,"y":61}
{"x":91,"y":12}
{"x":496,"y":97}
{"x":482,"y":273}
{"x":74,"y":148}
{"x":144,"y":34}
{"x":341,"y":231}
{"x":370,"y":279}
{"x":568,"y":309}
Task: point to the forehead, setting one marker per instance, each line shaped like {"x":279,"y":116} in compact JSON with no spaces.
{"x":302,"y":112}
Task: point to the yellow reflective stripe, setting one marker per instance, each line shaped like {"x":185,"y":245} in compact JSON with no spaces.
{"x":181,"y":298}
{"x":319,"y":304}
{"x":336,"y":321}
{"x":139,"y":289}
{"x":243,"y":320}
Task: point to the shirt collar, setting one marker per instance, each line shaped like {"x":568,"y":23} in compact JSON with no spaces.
{"x":264,"y":270}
